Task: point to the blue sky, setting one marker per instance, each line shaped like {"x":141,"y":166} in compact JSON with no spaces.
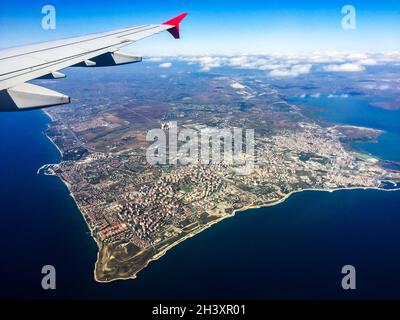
{"x":234,"y":26}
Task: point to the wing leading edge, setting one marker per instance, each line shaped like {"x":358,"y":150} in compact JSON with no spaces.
{"x":42,"y":61}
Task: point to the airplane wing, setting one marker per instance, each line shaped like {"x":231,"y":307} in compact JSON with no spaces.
{"x":42,"y":61}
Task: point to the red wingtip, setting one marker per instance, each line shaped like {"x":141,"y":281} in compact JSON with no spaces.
{"x":175,"y":22}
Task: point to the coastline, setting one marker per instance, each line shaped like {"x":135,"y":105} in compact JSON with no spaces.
{"x":52,"y":120}
{"x":241,"y":210}
{"x":162,"y":252}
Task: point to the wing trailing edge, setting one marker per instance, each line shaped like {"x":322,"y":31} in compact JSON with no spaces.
{"x":29,"y":96}
{"x":110,"y":59}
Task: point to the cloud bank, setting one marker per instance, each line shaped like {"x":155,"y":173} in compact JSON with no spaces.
{"x":290,"y":65}
{"x":345,"y":67}
{"x":166,"y":65}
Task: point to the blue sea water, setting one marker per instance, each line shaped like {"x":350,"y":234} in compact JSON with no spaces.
{"x":293,"y":250}
{"x":356,"y":110}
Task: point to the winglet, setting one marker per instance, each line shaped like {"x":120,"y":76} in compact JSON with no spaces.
{"x":175,"y":23}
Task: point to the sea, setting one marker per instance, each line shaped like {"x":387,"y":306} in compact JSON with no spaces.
{"x":294,"y":250}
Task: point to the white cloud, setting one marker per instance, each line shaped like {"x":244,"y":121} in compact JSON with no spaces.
{"x":292,"y":65}
{"x":387,"y":57}
{"x":367,"y":62}
{"x":166,"y":65}
{"x":316,"y":95}
{"x":345,"y":67}
{"x":208,"y":63}
{"x":293,"y":71}
{"x":356,"y":56}
{"x":343,"y":96}
{"x":383,"y":87}
{"x":268,"y":67}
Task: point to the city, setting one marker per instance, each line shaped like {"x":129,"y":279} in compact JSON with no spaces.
{"x":137,"y":211}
